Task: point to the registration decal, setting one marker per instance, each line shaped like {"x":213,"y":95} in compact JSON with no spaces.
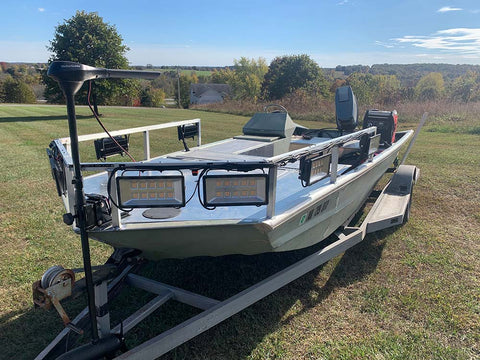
{"x":316,"y":211}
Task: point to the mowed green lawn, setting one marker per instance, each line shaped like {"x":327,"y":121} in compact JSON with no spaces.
{"x":408,"y":293}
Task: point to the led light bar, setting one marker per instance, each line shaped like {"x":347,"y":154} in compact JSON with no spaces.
{"x":374,"y":144}
{"x":151,"y":191}
{"x":235,"y":190}
{"x":314,"y":169}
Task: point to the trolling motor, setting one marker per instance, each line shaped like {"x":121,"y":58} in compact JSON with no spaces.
{"x":70,"y":77}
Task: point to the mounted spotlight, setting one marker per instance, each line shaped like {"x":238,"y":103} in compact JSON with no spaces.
{"x":235,"y":190}
{"x":187,"y":131}
{"x":151,"y":191}
{"x":106,"y":147}
{"x":314,"y":168}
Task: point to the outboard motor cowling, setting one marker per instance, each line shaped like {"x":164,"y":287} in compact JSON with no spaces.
{"x":386,"y":123}
{"x":346,"y":109}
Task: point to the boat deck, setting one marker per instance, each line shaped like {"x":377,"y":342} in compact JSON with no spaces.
{"x":289,"y":192}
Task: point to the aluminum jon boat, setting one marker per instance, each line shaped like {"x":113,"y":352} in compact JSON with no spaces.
{"x":276,"y":187}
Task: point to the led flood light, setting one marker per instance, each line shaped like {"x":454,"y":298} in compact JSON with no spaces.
{"x":151,"y":191}
{"x":235,"y":190}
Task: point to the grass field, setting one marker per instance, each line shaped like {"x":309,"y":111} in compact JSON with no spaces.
{"x":408,"y":293}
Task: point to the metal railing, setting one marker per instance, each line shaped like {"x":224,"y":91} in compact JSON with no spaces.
{"x":146,"y":134}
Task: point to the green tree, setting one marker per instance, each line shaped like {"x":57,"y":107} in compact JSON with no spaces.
{"x":363,"y":85}
{"x":204,"y":79}
{"x":152,"y":97}
{"x":16,"y":91}
{"x":167,"y":81}
{"x":466,"y":87}
{"x":246,"y":80}
{"x":289,"y":73}
{"x":2,"y":90}
{"x":373,"y":89}
{"x":222,"y":76}
{"x":430,"y":87}
{"x":87,"y":39}
{"x":194,"y":77}
{"x":387,"y":88}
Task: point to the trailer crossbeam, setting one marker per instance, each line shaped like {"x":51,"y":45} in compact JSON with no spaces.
{"x":187,"y":330}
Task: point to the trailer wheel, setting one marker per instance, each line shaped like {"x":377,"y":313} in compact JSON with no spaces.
{"x":406,"y":215}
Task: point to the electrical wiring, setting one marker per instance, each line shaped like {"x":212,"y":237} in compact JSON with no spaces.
{"x":204,"y":172}
{"x":103,"y":126}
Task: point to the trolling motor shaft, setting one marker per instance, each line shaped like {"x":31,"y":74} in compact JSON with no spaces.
{"x":70,"y":77}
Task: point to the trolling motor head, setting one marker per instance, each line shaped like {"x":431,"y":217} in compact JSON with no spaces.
{"x":71,"y":75}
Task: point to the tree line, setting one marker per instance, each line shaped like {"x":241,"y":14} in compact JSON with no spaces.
{"x":87,"y":39}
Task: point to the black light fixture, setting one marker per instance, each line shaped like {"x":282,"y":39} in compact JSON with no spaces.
{"x":315,"y":168}
{"x":106,"y":147}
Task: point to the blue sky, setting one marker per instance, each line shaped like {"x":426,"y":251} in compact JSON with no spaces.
{"x":209,"y":32}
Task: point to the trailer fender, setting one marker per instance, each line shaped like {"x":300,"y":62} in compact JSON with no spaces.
{"x":403,"y":180}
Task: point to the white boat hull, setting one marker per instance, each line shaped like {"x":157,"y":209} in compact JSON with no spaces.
{"x":300,"y":226}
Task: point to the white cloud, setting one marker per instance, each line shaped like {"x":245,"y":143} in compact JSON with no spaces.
{"x":386,"y":45}
{"x":343,"y":2}
{"x":41,"y":9}
{"x":448,"y":9}
{"x":390,"y":57}
{"x":459,"y":40}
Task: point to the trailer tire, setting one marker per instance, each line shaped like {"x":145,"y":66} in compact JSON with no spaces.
{"x":406,"y":215}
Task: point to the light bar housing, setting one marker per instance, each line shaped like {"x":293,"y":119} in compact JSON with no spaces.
{"x":315,"y":168}
{"x":107,"y":147}
{"x":187,"y":131}
{"x":235,"y":190}
{"x":150,"y":191}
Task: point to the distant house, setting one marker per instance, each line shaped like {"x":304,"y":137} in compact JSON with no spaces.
{"x":208,"y":93}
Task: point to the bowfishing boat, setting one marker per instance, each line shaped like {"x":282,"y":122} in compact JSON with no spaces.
{"x":277,"y":186}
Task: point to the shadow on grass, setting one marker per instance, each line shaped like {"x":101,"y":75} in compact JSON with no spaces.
{"x":39,"y":118}
{"x":237,"y":337}
{"x":25,"y":334}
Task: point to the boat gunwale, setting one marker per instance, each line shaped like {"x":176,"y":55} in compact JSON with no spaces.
{"x":279,"y":219}
{"x":257,"y":161}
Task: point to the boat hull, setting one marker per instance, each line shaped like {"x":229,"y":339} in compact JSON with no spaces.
{"x":304,"y":225}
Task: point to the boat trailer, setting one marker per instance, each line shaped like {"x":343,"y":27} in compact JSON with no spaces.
{"x":391,"y":208}
{"x":102,"y":284}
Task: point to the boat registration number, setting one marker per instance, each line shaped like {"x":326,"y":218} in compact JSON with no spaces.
{"x":316,"y":211}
